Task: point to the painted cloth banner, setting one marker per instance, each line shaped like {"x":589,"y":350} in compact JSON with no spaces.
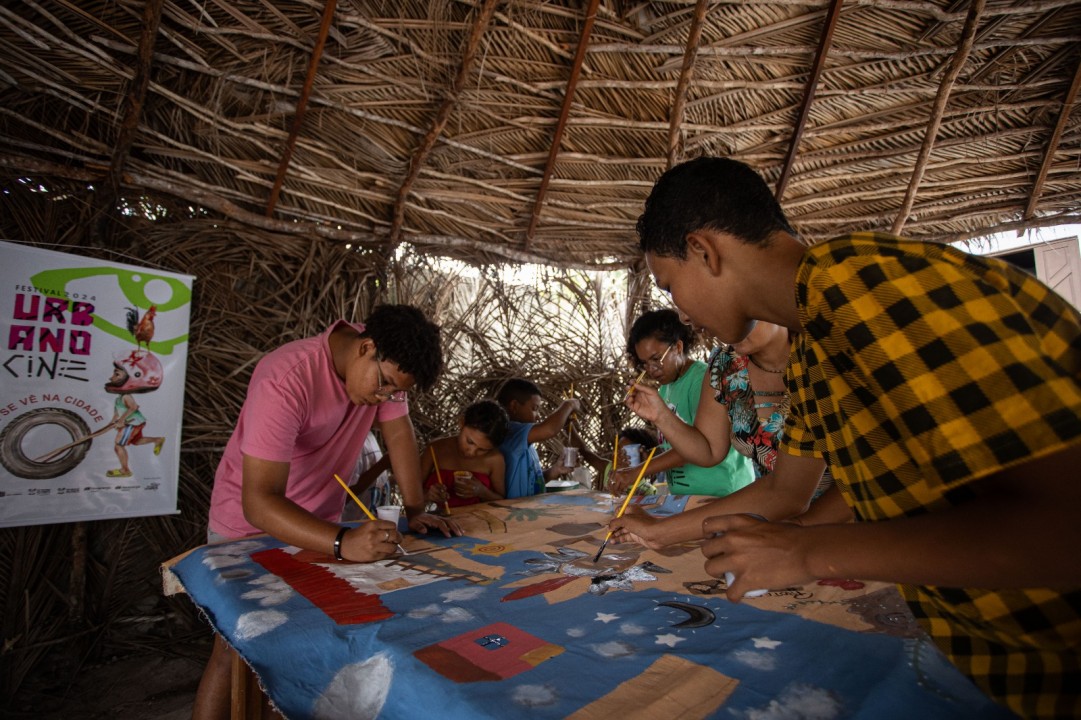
{"x":93,"y":365}
{"x":515,"y":619}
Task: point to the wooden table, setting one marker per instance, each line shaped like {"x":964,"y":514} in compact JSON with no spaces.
{"x":515,"y":618}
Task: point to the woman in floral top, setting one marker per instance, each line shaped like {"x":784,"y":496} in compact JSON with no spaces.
{"x":757,"y":409}
{"x":747,"y":382}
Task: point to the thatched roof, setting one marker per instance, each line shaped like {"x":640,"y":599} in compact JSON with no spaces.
{"x":521,"y":130}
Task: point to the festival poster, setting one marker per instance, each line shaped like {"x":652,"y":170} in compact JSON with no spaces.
{"x":93,"y":366}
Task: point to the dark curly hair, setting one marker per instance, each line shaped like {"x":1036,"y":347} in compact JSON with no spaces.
{"x":408,"y":339}
{"x":490,"y":418}
{"x":517,"y":389}
{"x":638,"y":434}
{"x":664,"y":325}
{"x":710,"y":193}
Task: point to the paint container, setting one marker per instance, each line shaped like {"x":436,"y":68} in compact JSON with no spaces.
{"x":462,"y":480}
{"x":390,"y":513}
{"x":570,"y":457}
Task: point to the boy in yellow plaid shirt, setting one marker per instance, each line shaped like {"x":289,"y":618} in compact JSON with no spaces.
{"x":944,"y":392}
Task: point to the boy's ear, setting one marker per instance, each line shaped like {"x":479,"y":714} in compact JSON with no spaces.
{"x":702,"y":247}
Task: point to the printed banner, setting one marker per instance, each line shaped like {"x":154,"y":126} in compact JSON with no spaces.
{"x":94,"y":359}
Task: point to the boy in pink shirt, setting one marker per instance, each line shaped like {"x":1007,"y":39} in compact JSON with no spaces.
{"x":310,"y":405}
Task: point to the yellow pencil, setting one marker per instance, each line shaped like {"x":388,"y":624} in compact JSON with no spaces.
{"x":630,"y":494}
{"x":439,"y":479}
{"x":361,"y":505}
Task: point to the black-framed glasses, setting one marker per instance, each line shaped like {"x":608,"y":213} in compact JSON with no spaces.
{"x":385,"y":389}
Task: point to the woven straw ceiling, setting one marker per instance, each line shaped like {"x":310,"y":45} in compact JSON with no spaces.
{"x":524,"y":130}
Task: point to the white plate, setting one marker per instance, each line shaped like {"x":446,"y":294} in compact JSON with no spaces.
{"x":560,"y":483}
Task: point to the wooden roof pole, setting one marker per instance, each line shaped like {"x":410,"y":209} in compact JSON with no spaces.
{"x":561,"y":125}
{"x":136,"y":97}
{"x":824,"y":43}
{"x":302,"y":105}
{"x":1052,"y":143}
{"x":420,"y":155}
{"x":968,"y":37}
{"x":694,"y":37}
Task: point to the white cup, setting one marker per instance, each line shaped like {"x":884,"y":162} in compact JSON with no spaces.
{"x":389,"y":512}
{"x":570,"y":457}
{"x":633,"y":452}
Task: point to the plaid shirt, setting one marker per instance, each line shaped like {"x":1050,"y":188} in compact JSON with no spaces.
{"x":921,"y":369}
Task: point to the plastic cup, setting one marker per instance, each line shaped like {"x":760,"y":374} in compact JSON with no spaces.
{"x":391,"y":513}
{"x":570,"y":457}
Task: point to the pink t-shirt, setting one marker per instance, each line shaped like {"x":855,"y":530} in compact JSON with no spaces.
{"x":296,"y":411}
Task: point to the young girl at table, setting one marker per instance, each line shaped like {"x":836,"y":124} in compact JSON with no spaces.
{"x":475,"y":449}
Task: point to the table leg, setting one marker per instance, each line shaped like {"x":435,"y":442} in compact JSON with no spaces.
{"x":247,"y":695}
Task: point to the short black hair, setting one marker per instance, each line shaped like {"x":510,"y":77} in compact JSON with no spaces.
{"x":638,"y":434}
{"x":517,"y":389}
{"x":404,"y":336}
{"x":664,"y":325}
{"x":711,"y":193}
{"x":490,"y":418}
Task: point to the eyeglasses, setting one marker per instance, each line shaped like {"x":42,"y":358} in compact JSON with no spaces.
{"x":385,"y":389}
{"x":657,"y":361}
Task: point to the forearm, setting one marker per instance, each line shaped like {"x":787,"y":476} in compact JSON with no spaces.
{"x":401,"y":442}
{"x":283,"y":519}
{"x":980,"y":544}
{"x":830,"y":507}
{"x":759,"y":498}
{"x":688,"y":441}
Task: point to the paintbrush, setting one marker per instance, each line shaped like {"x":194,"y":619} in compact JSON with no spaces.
{"x":439,"y":478}
{"x":362,"y":506}
{"x":623,"y":508}
{"x":642,"y":376}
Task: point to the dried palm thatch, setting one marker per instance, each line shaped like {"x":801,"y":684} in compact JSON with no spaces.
{"x":523,"y":130}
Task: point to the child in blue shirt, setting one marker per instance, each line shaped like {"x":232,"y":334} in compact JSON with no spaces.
{"x":522,"y":400}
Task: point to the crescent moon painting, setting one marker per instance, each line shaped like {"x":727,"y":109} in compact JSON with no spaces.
{"x":698,"y":615}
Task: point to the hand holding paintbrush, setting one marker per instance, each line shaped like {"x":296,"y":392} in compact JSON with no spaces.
{"x":364,"y":509}
{"x":623,"y":508}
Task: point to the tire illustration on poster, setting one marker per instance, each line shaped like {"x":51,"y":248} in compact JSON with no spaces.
{"x":27,"y":437}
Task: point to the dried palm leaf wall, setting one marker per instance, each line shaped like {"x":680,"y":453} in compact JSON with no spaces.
{"x":254,"y":291}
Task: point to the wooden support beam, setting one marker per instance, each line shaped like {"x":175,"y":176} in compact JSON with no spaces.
{"x":302,"y":105}
{"x":1053,"y":142}
{"x":968,"y":37}
{"x":679,"y":101}
{"x":824,"y":43}
{"x":140,"y":83}
{"x":561,"y":125}
{"x":480,"y":24}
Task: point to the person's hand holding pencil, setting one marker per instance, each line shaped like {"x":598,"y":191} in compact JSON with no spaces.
{"x":379,"y":533}
{"x":623,"y":508}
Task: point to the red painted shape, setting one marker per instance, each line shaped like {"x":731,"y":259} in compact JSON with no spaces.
{"x":538,"y":588}
{"x":496,"y":651}
{"x":341,"y":602}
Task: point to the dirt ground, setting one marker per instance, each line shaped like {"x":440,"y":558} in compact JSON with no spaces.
{"x":154,"y":685}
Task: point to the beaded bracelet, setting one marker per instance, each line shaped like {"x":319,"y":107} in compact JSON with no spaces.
{"x":338,"y":543}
